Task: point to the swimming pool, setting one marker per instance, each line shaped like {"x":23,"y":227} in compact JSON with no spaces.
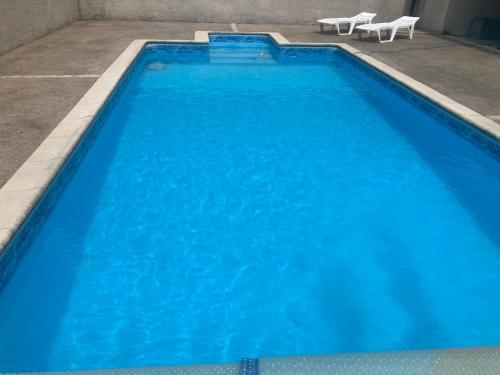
{"x":238,"y":199}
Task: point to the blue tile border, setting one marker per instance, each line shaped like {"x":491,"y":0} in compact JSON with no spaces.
{"x":469,"y":132}
{"x":240,"y":38}
{"x":307,"y":54}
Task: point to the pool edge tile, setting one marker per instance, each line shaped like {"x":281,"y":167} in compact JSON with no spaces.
{"x":16,"y":205}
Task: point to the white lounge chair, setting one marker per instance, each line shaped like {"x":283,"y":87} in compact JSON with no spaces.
{"x":393,"y":27}
{"x":358,"y":19}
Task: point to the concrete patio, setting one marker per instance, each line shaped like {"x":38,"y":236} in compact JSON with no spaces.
{"x":41,"y":81}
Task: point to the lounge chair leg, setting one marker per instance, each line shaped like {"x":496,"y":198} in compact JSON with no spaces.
{"x":412,"y":28}
{"x":351,"y":27}
{"x":394,"y":31}
{"x":389,"y":37}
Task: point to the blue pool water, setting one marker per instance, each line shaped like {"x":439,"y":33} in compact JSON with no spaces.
{"x":245,"y":201}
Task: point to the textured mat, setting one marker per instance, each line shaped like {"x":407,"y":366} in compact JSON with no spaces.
{"x":222,"y":369}
{"x":475,"y":361}
{"x":470,"y":361}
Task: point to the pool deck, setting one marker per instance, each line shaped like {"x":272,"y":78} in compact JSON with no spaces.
{"x":41,"y":81}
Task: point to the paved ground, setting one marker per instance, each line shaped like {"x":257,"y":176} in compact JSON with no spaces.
{"x":42,"y":81}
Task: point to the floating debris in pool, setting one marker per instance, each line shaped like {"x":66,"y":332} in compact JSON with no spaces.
{"x":261,"y":54}
{"x":156,"y":66}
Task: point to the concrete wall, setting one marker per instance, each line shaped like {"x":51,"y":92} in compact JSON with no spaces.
{"x":22,"y":21}
{"x":249,"y":11}
{"x":460,"y":12}
{"x":432,"y":14}
{"x":452,"y":16}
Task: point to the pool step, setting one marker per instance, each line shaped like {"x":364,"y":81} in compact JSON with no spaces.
{"x":241,"y":55}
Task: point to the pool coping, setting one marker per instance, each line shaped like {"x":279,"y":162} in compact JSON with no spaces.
{"x":23,"y":190}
